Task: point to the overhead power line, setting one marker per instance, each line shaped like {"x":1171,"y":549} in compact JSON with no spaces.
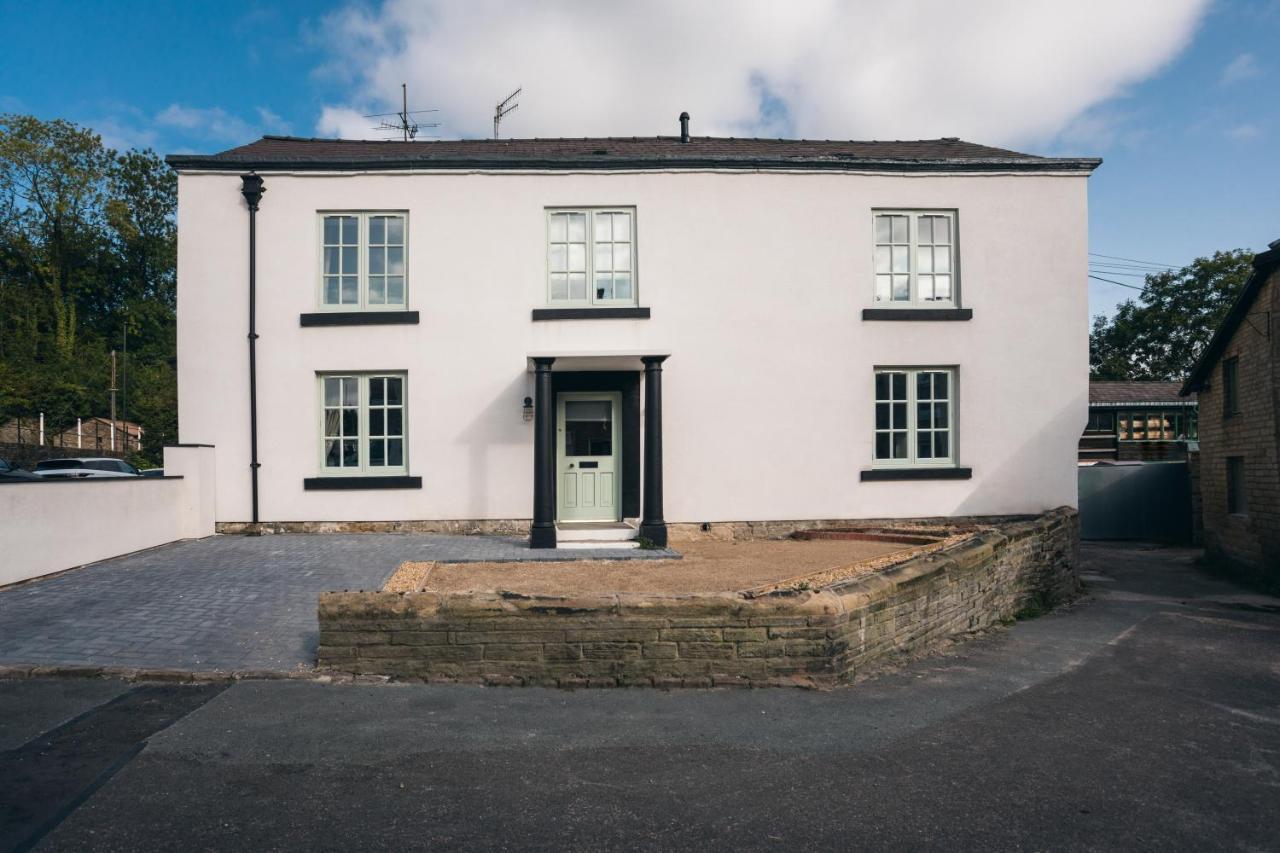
{"x":1134,"y":261}
{"x":1110,"y":281}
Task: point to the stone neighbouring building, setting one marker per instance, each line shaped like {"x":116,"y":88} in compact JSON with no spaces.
{"x":816,"y":638}
{"x":1238,"y":383}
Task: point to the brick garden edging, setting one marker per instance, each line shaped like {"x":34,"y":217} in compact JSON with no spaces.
{"x":809,"y":638}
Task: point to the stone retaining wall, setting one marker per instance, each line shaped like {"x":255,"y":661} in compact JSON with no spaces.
{"x":811,"y":638}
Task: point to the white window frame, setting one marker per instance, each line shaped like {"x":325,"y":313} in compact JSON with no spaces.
{"x":591,"y":301}
{"x":913,"y":231}
{"x":363,"y":469}
{"x":362,"y":257}
{"x":953,"y":406}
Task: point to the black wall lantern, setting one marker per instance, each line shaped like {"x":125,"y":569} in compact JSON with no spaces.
{"x":528,"y":409}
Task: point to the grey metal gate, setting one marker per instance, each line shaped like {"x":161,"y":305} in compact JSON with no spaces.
{"x":1149,"y":501}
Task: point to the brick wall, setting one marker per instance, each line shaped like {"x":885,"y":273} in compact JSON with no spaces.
{"x":1252,"y":538}
{"x":814,"y":638}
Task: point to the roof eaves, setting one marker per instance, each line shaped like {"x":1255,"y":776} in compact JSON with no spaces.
{"x":220,"y":162}
{"x":1264,"y":264}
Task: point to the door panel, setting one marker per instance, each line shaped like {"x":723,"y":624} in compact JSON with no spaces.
{"x":587,"y":454}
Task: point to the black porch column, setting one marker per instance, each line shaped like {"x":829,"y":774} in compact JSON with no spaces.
{"x":542,"y":533}
{"x":652,"y":525}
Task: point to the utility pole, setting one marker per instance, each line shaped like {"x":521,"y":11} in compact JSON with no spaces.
{"x":503,"y":108}
{"x":113,"y":400}
{"x":124,"y":392}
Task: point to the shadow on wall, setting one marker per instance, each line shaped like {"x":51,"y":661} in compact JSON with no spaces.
{"x":998,"y":490}
{"x":500,"y":424}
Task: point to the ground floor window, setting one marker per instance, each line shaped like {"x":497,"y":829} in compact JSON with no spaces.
{"x":1237,"y":499}
{"x":915,"y":416}
{"x":362,"y":423}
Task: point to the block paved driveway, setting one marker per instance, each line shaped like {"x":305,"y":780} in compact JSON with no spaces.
{"x":222,"y":603}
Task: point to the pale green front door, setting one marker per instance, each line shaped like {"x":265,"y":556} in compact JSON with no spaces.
{"x":587,"y":454}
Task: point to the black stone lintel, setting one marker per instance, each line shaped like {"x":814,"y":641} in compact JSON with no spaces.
{"x":344,"y":483}
{"x":871,"y":474}
{"x":590,"y":314}
{"x":919,"y":314}
{"x":360,"y":318}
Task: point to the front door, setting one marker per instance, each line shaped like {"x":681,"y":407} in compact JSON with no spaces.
{"x":587,"y":438}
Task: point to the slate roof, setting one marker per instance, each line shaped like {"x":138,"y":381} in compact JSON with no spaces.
{"x":1118,"y":393}
{"x":651,"y":152}
{"x":1264,"y":264}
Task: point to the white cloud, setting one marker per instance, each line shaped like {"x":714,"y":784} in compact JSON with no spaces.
{"x":343,"y":122}
{"x":988,"y":70}
{"x":1242,"y":67}
{"x":1244,"y":132}
{"x":271,"y":122}
{"x":213,"y":123}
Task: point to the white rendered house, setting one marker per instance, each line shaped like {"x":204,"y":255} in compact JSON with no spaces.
{"x":664,"y":330}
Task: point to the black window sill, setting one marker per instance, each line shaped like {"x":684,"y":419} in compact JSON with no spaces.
{"x":590,"y":314}
{"x":919,"y":314}
{"x":360,"y":318}
{"x":871,"y":474}
{"x":344,"y":483}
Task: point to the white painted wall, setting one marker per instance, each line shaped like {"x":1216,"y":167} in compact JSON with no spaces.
{"x":756,"y":282}
{"x":53,"y":525}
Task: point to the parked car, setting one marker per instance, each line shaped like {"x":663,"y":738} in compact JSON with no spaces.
{"x":151,"y":472}
{"x":8,"y":472}
{"x":88,"y":466}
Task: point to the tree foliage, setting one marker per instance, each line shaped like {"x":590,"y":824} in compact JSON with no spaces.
{"x":1161,"y":335}
{"x":87,"y":257}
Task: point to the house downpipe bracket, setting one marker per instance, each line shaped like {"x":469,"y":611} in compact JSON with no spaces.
{"x":251,"y":187}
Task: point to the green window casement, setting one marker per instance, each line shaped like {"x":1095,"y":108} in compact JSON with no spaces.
{"x":362,"y":424}
{"x":591,"y":258}
{"x":363,"y":261}
{"x":915,"y":259}
{"x":914,"y":417}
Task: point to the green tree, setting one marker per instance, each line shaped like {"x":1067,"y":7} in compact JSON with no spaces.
{"x":87,"y":256}
{"x":1161,"y":335}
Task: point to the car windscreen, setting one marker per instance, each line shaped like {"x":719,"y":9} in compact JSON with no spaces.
{"x":57,"y":464}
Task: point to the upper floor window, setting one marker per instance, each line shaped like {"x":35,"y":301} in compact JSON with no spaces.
{"x":915,"y":258}
{"x":915,"y":416}
{"x":1231,"y":386}
{"x":362,"y":424}
{"x":591,"y":257}
{"x":362,"y":263}
{"x":1153,"y":425}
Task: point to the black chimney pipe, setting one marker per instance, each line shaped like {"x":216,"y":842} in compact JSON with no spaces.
{"x":684,"y":127}
{"x":252,"y":189}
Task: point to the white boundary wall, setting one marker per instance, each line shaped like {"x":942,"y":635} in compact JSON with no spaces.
{"x":50,"y":526}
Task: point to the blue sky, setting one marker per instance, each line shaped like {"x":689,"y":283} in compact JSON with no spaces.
{"x":1179,"y":103}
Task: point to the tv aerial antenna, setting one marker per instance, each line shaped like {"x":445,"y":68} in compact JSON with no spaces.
{"x":404,"y":122}
{"x":508,"y":105}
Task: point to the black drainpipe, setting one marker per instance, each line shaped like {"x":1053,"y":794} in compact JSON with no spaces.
{"x":252,"y":190}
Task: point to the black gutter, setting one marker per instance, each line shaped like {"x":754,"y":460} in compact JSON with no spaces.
{"x":215,"y":162}
{"x":1264,"y":263}
{"x":251,"y":188}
